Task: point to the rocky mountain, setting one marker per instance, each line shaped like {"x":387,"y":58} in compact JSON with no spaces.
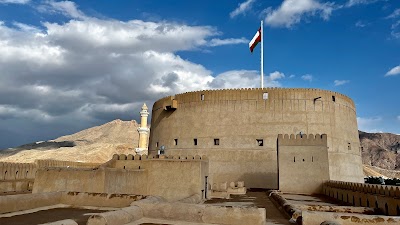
{"x":96,"y":144}
{"x":380,"y":150}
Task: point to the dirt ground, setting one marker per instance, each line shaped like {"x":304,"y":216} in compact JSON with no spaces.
{"x":46,"y":216}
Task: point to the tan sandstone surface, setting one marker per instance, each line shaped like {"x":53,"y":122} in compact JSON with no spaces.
{"x":96,"y":145}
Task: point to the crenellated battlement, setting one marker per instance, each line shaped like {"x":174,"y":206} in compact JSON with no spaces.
{"x":302,"y":139}
{"x":17,"y":171}
{"x":383,"y":197}
{"x":41,"y":163}
{"x":158,"y":157}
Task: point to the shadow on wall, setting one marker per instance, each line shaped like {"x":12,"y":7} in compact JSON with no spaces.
{"x":260,"y":180}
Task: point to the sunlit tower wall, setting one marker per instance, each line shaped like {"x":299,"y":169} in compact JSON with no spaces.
{"x":143,"y":131}
{"x":238,"y":128}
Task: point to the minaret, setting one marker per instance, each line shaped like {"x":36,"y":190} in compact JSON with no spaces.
{"x":143,"y":131}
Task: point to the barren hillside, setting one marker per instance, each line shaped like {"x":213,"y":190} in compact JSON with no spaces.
{"x":380,"y":150}
{"x":96,"y":144}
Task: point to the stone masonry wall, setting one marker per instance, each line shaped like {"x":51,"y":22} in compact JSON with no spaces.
{"x":238,"y":118}
{"x":303,"y":163}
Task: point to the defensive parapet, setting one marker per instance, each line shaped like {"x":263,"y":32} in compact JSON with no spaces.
{"x":384,"y":197}
{"x":17,"y":171}
{"x":41,"y":163}
{"x":158,"y":157}
{"x":303,"y":139}
{"x":16,"y":177}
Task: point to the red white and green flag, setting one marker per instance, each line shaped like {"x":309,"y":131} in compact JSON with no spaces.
{"x":256,"y":39}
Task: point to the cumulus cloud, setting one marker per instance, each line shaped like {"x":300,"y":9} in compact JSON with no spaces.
{"x":307,"y":77}
{"x":229,"y":41}
{"x":245,"y":79}
{"x":292,"y":12}
{"x":340,"y":82}
{"x":393,"y":72}
{"x":369,"y":124}
{"x":242,"y":8}
{"x":88,"y":71}
{"x":14,"y":1}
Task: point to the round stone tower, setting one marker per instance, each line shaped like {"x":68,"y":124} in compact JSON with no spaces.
{"x":238,"y":128}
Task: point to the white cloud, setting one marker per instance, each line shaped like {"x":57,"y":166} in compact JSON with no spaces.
{"x":395,"y":28}
{"x":66,"y":8}
{"x":369,"y":124}
{"x":292,"y":76}
{"x":245,"y":79}
{"x":340,"y":82}
{"x":95,"y":70}
{"x":242,"y":8}
{"x":393,"y":72}
{"x":307,"y":77}
{"x":218,"y":42}
{"x":351,"y":3}
{"x":360,"y":24}
{"x":395,"y":14}
{"x":398,"y":118}
{"x":14,"y":1}
{"x":292,"y":12}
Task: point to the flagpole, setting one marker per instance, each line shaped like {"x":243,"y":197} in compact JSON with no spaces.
{"x":262,"y":55}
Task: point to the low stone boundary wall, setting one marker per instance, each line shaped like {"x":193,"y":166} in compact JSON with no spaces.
{"x":119,"y":217}
{"x":317,"y":214}
{"x":8,"y":186}
{"x":98,"y":199}
{"x":201,"y":213}
{"x":317,"y":218}
{"x":155,"y":207}
{"x":61,"y":222}
{"x":385,"y":198}
{"x":20,"y":202}
{"x":14,"y":203}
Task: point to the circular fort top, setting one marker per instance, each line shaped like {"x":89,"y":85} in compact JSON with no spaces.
{"x":261,"y":94}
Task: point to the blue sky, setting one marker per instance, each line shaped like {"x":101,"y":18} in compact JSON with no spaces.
{"x":69,"y":65}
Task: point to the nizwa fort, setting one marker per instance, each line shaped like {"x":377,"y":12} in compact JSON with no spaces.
{"x":235,"y":156}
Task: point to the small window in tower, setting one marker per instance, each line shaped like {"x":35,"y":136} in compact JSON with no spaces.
{"x":216,"y":141}
{"x":312,"y":158}
{"x":176,"y":141}
{"x":333,"y":98}
{"x":202,"y":97}
{"x":157,"y":144}
{"x":195,"y":141}
{"x":294,"y":159}
{"x":348,"y":146}
{"x":265,"y":95}
{"x":260,"y":142}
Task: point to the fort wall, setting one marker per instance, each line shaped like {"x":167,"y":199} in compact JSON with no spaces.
{"x":16,"y":177}
{"x":172,"y":178}
{"x":226,"y":125}
{"x":303,"y":163}
{"x":41,"y":163}
{"x":384,"y":197}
